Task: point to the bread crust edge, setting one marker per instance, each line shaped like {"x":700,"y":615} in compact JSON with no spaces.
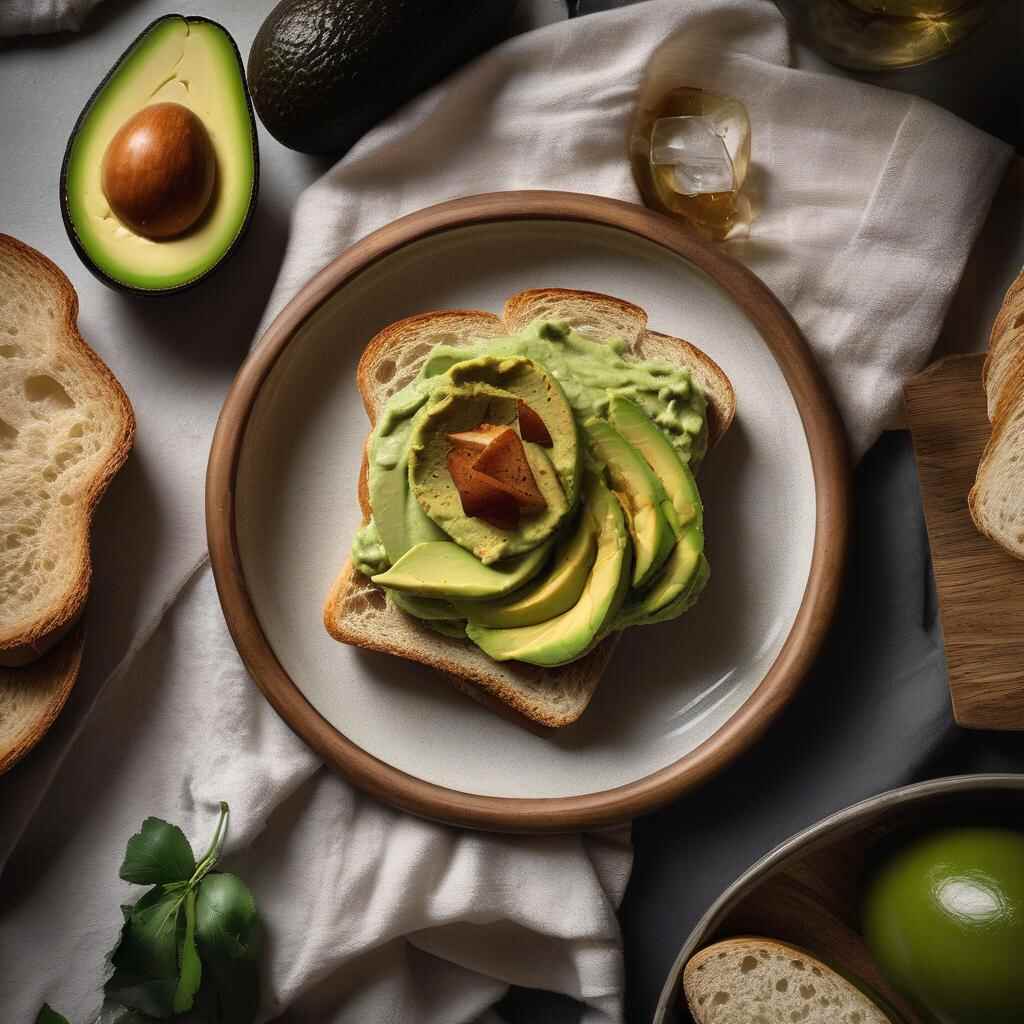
{"x":33,"y":641}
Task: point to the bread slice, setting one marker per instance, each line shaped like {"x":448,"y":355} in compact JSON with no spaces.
{"x":1005,"y":361}
{"x":66,"y":427}
{"x":31,"y":697}
{"x":996,"y":500}
{"x":761,"y":981}
{"x":359,"y":613}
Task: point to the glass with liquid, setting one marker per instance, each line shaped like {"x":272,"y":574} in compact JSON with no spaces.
{"x":690,"y":151}
{"x":881,"y":34}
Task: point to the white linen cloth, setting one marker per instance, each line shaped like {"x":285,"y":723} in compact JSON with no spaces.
{"x":36,"y":17}
{"x":869,"y":202}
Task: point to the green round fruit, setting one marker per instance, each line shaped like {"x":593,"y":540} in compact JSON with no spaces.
{"x":944,"y":918}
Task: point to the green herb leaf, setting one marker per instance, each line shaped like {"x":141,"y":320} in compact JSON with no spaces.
{"x":47,"y":1015}
{"x":157,"y":854}
{"x":230,"y":938}
{"x":146,"y":959}
{"x":188,"y":960}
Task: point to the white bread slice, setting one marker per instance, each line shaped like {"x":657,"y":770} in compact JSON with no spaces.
{"x":996,"y":500}
{"x":357,"y":612}
{"x":762,"y":981}
{"x":1004,"y":363}
{"x":31,"y":697}
{"x":66,"y":427}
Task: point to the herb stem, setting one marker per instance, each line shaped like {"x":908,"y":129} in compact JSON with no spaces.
{"x":211,"y":856}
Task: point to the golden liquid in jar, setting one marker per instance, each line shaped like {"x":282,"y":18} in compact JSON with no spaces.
{"x":713,"y":214}
{"x":879,"y":34}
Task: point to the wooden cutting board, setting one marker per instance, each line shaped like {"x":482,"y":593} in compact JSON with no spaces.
{"x":980,"y":587}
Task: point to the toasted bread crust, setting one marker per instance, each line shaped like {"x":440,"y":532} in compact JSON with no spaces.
{"x":24,"y":643}
{"x":34,"y":695}
{"x":377,"y":370}
{"x":444,"y":656}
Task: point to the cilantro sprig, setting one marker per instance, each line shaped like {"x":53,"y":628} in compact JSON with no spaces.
{"x":191,"y":943}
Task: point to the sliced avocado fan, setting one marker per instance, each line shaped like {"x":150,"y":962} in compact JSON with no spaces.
{"x":547,"y":595}
{"x":686,"y":563}
{"x":566,"y":637}
{"x":651,"y":515}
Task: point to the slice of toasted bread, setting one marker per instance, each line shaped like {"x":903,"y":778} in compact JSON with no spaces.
{"x":357,"y":612}
{"x":745,"y":980}
{"x":31,"y":697}
{"x":66,"y":427}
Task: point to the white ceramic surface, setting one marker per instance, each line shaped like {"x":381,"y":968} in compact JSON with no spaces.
{"x":669,"y":687}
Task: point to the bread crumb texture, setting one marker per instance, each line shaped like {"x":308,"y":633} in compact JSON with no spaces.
{"x":763,"y":982}
{"x":57,"y":432}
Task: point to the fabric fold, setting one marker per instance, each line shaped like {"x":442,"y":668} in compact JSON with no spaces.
{"x":868,"y":203}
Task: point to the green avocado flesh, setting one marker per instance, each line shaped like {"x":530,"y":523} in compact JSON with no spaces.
{"x":461,"y":407}
{"x":621,"y":540}
{"x":553,"y":593}
{"x":642,"y":496}
{"x":443,"y":569}
{"x":568,"y":636}
{"x":673,"y":589}
{"x":192,"y":62}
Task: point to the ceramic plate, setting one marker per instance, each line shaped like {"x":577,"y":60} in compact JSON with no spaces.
{"x":679,"y":699}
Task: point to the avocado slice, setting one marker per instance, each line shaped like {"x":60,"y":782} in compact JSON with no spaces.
{"x":194,"y":63}
{"x":678,"y":572}
{"x":431,"y":609}
{"x":440,"y":568}
{"x":567,"y":636}
{"x":544,"y":598}
{"x":651,"y":516}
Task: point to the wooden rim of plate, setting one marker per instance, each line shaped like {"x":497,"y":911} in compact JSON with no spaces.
{"x":829,"y":460}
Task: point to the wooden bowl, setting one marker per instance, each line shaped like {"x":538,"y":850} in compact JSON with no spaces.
{"x":807,"y":890}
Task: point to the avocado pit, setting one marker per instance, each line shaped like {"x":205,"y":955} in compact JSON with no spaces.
{"x":159,"y":171}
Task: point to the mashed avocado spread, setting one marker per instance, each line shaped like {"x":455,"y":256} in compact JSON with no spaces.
{"x":619,"y":540}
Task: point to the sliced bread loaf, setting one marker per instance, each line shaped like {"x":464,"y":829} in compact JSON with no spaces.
{"x":66,"y":427}
{"x":761,"y":981}
{"x":359,"y":613}
{"x":997,"y":499}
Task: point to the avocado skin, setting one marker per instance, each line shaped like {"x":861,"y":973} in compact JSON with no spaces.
{"x":323,"y":72}
{"x":83,"y":119}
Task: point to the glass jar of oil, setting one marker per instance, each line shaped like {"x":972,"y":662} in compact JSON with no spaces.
{"x":690,"y":152}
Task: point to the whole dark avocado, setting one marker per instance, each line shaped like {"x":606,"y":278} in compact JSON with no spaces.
{"x":323,"y":72}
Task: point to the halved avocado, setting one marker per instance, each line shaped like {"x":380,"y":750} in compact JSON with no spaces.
{"x":194,"y":63}
{"x":440,"y":568}
{"x":682,"y":566}
{"x":566,"y":637}
{"x":652,"y":517}
{"x":544,"y":598}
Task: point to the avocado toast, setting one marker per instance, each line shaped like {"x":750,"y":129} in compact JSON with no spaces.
{"x":527,"y":492}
